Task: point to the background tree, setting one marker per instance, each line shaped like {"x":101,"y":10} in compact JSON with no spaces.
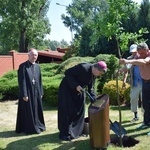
{"x":53,"y":45}
{"x":90,"y":16}
{"x":82,"y":14}
{"x":24,"y":23}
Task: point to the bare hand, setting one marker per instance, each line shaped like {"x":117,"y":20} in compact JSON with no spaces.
{"x":122,"y":61}
{"x":79,"y":89}
{"x":25,"y":99}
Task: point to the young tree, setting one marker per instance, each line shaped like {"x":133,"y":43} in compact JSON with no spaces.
{"x":110,"y":25}
{"x":82,"y":14}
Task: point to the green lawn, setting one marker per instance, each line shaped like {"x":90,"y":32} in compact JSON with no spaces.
{"x":48,"y":140}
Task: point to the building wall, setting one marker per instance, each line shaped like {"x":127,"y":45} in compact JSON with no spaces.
{"x":11,"y":61}
{"x":5,"y":64}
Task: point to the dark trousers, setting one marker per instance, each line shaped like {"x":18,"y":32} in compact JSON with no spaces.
{"x":146,"y":101}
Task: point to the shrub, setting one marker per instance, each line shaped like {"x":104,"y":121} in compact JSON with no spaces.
{"x":10,"y":75}
{"x":14,"y":89}
{"x":8,"y":89}
{"x":72,"y":62}
{"x":51,"y":86}
{"x":49,"y":69}
{"x":111,"y":89}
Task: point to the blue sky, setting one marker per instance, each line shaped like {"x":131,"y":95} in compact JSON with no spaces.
{"x":58,"y":30}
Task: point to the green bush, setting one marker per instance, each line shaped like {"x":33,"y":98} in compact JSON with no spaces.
{"x":49,"y":69}
{"x":3,"y":91}
{"x":111,"y":89}
{"x":8,"y":89}
{"x":72,"y":62}
{"x":51,"y":86}
{"x":10,"y":75}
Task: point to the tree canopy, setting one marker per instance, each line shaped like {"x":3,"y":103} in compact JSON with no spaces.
{"x":99,"y":23}
{"x":24,"y":23}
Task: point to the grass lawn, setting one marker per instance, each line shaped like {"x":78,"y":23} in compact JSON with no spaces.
{"x":48,"y":140}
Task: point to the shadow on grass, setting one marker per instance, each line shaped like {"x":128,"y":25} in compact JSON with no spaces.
{"x":9,"y":134}
{"x":50,"y":141}
{"x":33,"y":142}
{"x":78,"y":145}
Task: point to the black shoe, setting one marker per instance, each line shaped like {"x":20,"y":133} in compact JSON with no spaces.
{"x":65,"y":138}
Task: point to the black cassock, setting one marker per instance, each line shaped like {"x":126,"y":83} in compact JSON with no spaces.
{"x":71,"y":109}
{"x":30,"y":114}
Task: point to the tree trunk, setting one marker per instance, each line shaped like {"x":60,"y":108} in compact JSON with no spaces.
{"x":26,"y":44}
{"x":118,"y":98}
{"x":22,"y":41}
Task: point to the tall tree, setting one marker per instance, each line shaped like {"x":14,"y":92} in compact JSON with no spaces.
{"x":82,"y":14}
{"x":24,"y":23}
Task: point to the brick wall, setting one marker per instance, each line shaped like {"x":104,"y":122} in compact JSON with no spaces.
{"x":18,"y":58}
{"x":5,"y":64}
{"x":11,"y":61}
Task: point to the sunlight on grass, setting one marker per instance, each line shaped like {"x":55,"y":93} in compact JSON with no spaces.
{"x":49,"y":140}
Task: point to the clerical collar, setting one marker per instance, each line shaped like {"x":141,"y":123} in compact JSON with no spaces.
{"x":31,"y":63}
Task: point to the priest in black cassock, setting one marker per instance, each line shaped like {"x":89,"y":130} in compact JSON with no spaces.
{"x":71,"y":98}
{"x":30,"y":118}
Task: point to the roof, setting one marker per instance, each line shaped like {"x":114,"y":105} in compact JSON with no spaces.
{"x":50,"y":53}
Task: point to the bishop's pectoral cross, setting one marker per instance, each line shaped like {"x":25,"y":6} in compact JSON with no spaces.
{"x":33,"y":81}
{"x":33,"y":74}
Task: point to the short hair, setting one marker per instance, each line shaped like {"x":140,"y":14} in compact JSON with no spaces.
{"x":142,"y":46}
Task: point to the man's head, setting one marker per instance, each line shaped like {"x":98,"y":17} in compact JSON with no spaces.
{"x":99,"y":68}
{"x":143,"y":50}
{"x":133,"y":49}
{"x":33,"y":55}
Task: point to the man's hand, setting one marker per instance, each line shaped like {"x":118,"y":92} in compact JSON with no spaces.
{"x":79,"y":89}
{"x":123,"y":61}
{"x":25,"y":99}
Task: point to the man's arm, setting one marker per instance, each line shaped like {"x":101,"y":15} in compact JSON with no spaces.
{"x":124,"y":79}
{"x":136,"y":62}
